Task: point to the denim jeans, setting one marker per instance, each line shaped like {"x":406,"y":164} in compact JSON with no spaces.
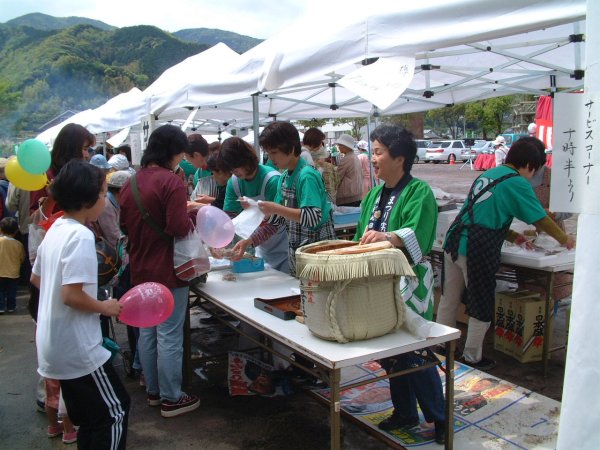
{"x":161,"y":351}
{"x":8,"y":293}
{"x":423,"y":386}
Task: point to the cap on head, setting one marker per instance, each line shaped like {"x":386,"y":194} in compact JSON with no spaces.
{"x":117,"y":179}
{"x":99,"y":161}
{"x":345,"y":139}
{"x":500,"y":140}
{"x":118,"y":162}
{"x":362,"y":145}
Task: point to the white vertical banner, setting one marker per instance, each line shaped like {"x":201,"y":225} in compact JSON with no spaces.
{"x":135,"y":140}
{"x":576,"y":154}
{"x":147,"y":127}
{"x":579,"y":426}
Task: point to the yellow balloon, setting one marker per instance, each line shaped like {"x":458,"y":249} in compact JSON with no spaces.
{"x":23,"y":179}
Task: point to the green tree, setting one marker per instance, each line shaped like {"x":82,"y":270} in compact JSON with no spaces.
{"x":497,"y":113}
{"x":312,"y":123}
{"x":8,"y":98}
{"x":451,"y":117}
{"x":356,"y":124}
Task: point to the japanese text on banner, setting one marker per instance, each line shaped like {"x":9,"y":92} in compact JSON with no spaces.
{"x":576,"y":156}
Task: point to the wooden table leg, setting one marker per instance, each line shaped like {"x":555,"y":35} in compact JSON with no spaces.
{"x":335,"y":409}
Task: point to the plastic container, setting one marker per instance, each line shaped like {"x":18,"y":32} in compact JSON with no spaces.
{"x":246,"y":265}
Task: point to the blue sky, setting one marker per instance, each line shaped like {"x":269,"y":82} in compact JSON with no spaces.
{"x":256,"y":18}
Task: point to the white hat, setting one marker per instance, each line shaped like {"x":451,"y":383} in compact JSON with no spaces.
{"x":500,"y":140}
{"x":362,"y":145}
{"x":345,"y":139}
{"x":532,"y":128}
{"x":118,"y":162}
{"x":117,"y":179}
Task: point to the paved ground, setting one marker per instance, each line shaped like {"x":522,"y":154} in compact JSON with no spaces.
{"x":223,"y":422}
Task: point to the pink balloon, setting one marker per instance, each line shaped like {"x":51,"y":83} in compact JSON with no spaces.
{"x":146,"y":305}
{"x":215,"y":226}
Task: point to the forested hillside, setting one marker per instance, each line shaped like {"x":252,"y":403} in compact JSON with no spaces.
{"x":49,"y":65}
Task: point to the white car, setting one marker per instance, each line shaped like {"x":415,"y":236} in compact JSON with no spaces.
{"x":422,"y":146}
{"x":446,"y":151}
{"x":487,"y":148}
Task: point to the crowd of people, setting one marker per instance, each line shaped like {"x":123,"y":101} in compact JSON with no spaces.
{"x":91,"y":198}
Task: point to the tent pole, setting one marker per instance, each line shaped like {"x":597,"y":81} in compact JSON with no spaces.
{"x":370,"y":151}
{"x":255,"y":124}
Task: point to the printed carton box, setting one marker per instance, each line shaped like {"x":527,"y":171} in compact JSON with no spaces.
{"x":507,"y":319}
{"x":531,"y":321}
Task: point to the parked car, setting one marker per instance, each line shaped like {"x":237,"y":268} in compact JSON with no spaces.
{"x":422,"y":146}
{"x":447,"y":151}
{"x":512,"y":137}
{"x":487,"y":148}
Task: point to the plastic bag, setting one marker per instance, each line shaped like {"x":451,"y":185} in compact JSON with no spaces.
{"x":190,"y":258}
{"x":34,"y":239}
{"x":248,"y":220}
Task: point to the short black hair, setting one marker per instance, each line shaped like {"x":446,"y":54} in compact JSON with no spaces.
{"x":164,"y":143}
{"x":124,"y":149}
{"x":527,"y":151}
{"x":313,"y":137}
{"x":9,"y":226}
{"x":215,"y":163}
{"x":77,"y":185}
{"x":399,"y":141}
{"x":235,"y":152}
{"x":197,"y":145}
{"x":282,"y":136}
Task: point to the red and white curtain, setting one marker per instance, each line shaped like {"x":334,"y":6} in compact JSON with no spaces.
{"x":543,"y":121}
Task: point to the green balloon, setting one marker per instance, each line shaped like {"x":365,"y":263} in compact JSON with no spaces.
{"x":33,"y":156}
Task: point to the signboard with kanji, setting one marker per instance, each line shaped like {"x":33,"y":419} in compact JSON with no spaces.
{"x":575,"y":181}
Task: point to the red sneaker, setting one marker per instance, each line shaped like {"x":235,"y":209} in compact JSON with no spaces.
{"x":185,"y":404}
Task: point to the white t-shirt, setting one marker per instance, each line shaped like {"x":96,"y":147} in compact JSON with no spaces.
{"x":500,"y":155}
{"x":69,"y":341}
{"x":306,"y":156}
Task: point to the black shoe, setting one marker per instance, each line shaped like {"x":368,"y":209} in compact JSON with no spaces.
{"x":393,"y":422}
{"x":440,"y":432}
{"x":209,"y":320}
{"x":483,"y":364}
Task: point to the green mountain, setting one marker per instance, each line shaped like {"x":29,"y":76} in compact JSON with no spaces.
{"x":211,"y":36}
{"x":48,"y":66}
{"x":45,"y":22}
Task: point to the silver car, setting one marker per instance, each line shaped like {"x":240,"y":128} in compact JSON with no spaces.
{"x":446,"y":151}
{"x":422,"y":146}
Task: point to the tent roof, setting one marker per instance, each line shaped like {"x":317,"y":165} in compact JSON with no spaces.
{"x":463,"y":50}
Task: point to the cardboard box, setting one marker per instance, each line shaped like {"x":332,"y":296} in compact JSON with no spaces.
{"x":445,"y":219}
{"x":529,"y":340}
{"x":519,"y":325}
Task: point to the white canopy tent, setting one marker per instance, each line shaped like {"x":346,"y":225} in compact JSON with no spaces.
{"x":464,"y":50}
{"x":117,"y":113}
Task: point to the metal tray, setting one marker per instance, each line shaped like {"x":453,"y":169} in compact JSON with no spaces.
{"x":286,"y":308}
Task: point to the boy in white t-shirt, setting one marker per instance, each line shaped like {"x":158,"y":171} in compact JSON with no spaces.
{"x":68,"y":337}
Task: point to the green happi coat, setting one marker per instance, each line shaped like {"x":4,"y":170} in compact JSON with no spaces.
{"x":413,"y":219}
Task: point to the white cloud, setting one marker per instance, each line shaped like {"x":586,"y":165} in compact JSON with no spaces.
{"x":257,"y":19}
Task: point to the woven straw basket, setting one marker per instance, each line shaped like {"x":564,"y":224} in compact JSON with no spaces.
{"x":351,"y":297}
